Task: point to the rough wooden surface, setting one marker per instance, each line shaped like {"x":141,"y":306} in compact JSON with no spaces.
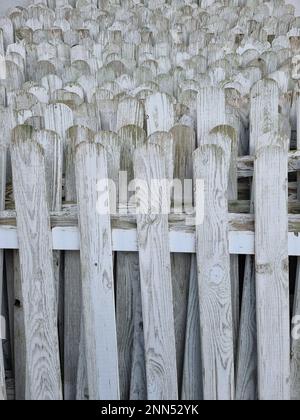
{"x":97,"y":275}
{"x":211,"y":164}
{"x":272,"y":279}
{"x":37,"y":276}
{"x":155,"y":265}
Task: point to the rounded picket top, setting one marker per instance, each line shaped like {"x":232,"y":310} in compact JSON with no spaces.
{"x":86,"y":115}
{"x":14,"y":76}
{"x":7,"y":30}
{"x":130,"y":112}
{"x":283,"y":80}
{"x":58,"y":117}
{"x":37,"y":122}
{"x":72,"y":99}
{"x":21,"y":99}
{"x":51,"y":82}
{"x":42,"y":69}
{"x":16,"y":17}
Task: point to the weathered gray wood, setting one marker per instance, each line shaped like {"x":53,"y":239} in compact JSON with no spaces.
{"x":20,"y":362}
{"x":159,"y":113}
{"x":97,"y":274}
{"x":246,"y":372}
{"x":72,"y":281}
{"x":211,"y":164}
{"x":129,"y":310}
{"x":184,"y":146}
{"x":3,"y":155}
{"x":272,"y":280}
{"x":231,"y":138}
{"x":192,"y":383}
{"x":37,"y":276}
{"x":264,"y":102}
{"x":155,"y":265}
{"x":295,"y":345}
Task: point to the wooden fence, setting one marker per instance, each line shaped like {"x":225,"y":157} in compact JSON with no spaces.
{"x":161,"y":306}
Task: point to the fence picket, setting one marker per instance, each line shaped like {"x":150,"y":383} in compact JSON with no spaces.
{"x":3,"y":154}
{"x":272,"y":274}
{"x":129,"y":310}
{"x":211,"y":164}
{"x":155,"y":265}
{"x":97,"y":274}
{"x":37,"y":275}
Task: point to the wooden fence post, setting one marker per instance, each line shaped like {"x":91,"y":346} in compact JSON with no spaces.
{"x":97,"y":274}
{"x":37,"y":275}
{"x":264,"y":101}
{"x":156,"y":281}
{"x":129,"y":310}
{"x":272,"y":272}
{"x":73,"y":353}
{"x":3,"y":153}
{"x":211,"y":165}
{"x":295,"y":352}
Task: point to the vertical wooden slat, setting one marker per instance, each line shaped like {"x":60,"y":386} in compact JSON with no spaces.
{"x":129,"y":309}
{"x":184,"y":146}
{"x":192,"y":384}
{"x":295,"y":347}
{"x":156,"y":282}
{"x":37,"y":275}
{"x":97,"y":274}
{"x":159,"y":113}
{"x":263,"y":119}
{"x":73,"y":353}
{"x":211,"y":164}
{"x":3,"y":154}
{"x":272,"y":276}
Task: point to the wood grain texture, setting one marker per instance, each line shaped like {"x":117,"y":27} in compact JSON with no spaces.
{"x":192,"y":384}
{"x":264,"y":104}
{"x":97,"y":275}
{"x":73,"y":336}
{"x":216,"y":136}
{"x":21,"y":391}
{"x":37,"y":275}
{"x":155,"y":265}
{"x":3,"y":155}
{"x":295,"y":345}
{"x":159,"y":113}
{"x":246,"y":372}
{"x":129,"y":309}
{"x":272,"y":273}
{"x":211,"y":164}
{"x":184,"y":146}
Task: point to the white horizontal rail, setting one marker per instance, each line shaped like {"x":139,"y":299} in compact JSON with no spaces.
{"x":68,"y":239}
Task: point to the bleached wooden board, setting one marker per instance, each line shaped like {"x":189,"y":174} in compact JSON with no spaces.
{"x":159,"y":113}
{"x":192,"y":384}
{"x":37,"y":276}
{"x":97,"y":275}
{"x":157,"y":300}
{"x":211,"y":164}
{"x":129,"y":310}
{"x":3,"y":154}
{"x":73,"y":333}
{"x":272,"y":273}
